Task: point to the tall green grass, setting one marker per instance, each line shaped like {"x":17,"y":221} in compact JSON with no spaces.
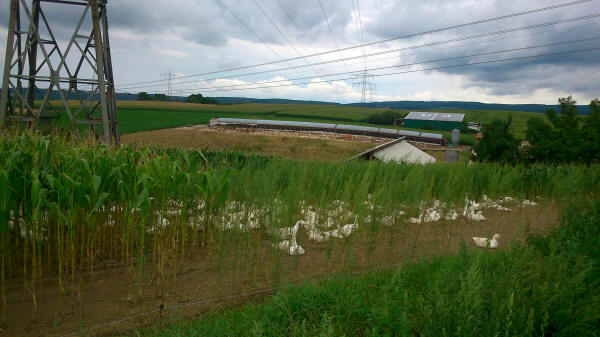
{"x":67,"y":207}
{"x":547,"y":288}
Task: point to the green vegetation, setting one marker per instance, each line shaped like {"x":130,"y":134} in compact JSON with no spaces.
{"x":67,"y":207}
{"x":199,"y":99}
{"x":137,"y":120}
{"x":167,"y":114}
{"x":567,"y":139}
{"x":384,"y":117}
{"x":156,"y":114}
{"x":547,"y":288}
{"x":57,"y":185}
{"x":144,"y":96}
{"x":498,"y":144}
{"x":171,"y":114}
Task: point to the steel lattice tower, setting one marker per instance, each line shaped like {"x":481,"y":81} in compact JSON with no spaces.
{"x":365,"y":83}
{"x":79,"y":72}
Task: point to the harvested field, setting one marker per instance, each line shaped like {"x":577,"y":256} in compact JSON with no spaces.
{"x":293,"y":145}
{"x":102,"y":303}
{"x":299,"y":145}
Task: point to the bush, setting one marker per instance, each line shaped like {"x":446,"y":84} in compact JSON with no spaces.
{"x":567,"y":138}
{"x":143,"y":96}
{"x":464,"y":129}
{"x":386,"y":117}
{"x":199,"y":99}
{"x":498,"y":143}
{"x":161,"y":97}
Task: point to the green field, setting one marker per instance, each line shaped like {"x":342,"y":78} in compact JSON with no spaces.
{"x":157,"y":115}
{"x":140,"y":227}
{"x":91,"y":235}
{"x":136,"y":116}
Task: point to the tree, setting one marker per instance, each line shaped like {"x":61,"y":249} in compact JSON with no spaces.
{"x":561,"y":140}
{"x":498,"y":143}
{"x":161,"y":97}
{"x":195,"y":98}
{"x":386,"y":117}
{"x":143,"y":96}
{"x":198,"y":98}
{"x":210,"y":100}
{"x":591,"y":133}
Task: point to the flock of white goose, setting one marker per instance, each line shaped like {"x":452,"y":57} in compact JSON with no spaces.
{"x":335,"y":222}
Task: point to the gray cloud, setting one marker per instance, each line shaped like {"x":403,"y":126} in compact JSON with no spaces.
{"x":209,"y":33}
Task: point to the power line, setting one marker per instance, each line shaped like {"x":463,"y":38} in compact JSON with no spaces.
{"x":337,"y":47}
{"x":423,"y":70}
{"x":251,"y":31}
{"x":538,"y":10}
{"x":296,"y":26}
{"x":417,"y":70}
{"x":362,"y":34}
{"x":431,"y":44}
{"x":281,"y":32}
{"x":366,"y":83}
{"x":458,"y":46}
{"x":169,"y":76}
{"x":436,"y":60}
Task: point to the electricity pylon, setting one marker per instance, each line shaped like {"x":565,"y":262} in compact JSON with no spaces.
{"x":366,"y":84}
{"x":43,"y":80}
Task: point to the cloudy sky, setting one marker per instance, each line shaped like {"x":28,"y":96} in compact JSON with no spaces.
{"x":194,"y":37}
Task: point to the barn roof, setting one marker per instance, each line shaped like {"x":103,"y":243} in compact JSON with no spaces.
{"x":399,"y":151}
{"x":435,"y":116}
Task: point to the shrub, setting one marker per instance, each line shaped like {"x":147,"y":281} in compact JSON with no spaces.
{"x":198,"y":98}
{"x":386,"y":117}
{"x":498,"y":143}
{"x":143,"y":96}
{"x":567,"y":138}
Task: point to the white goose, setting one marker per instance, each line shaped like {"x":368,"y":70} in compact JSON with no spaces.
{"x":318,"y":236}
{"x":286,"y":233}
{"x":487,"y":243}
{"x":290,"y":246}
{"x":346,"y":230}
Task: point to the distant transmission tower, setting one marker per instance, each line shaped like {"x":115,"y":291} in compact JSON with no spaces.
{"x":366,"y":84}
{"x":77,"y":75}
{"x":169,"y":77}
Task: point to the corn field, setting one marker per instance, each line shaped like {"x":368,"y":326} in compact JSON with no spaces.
{"x":68,"y":207}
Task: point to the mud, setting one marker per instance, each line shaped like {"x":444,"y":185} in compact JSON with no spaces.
{"x":110,"y":301}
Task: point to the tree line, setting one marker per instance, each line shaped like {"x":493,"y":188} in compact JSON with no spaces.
{"x":194,"y":98}
{"x":565,"y":137}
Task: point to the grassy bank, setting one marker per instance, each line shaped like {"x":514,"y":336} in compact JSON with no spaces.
{"x":549,"y":287}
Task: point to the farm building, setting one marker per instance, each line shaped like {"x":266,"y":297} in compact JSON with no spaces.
{"x":434,"y":120}
{"x":399,"y":151}
{"x":424,"y":137}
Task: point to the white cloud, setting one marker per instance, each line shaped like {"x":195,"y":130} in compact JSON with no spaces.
{"x":170,"y":53}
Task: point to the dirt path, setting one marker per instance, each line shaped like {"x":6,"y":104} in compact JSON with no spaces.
{"x":108,"y":301}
